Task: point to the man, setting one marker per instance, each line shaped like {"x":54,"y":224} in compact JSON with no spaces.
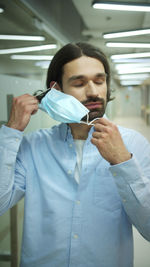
{"x":84,"y":185}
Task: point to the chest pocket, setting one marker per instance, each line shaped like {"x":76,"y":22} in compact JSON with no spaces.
{"x":105,"y":191}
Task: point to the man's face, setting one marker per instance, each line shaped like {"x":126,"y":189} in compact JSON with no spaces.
{"x":85,"y":79}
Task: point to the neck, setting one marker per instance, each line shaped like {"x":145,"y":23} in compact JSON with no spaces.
{"x":79,"y":130}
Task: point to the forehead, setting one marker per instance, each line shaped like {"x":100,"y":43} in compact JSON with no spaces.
{"x":86,"y":66}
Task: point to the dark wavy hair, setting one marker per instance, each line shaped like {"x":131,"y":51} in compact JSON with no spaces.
{"x":70,"y":52}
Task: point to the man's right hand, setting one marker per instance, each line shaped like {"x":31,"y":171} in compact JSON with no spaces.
{"x":22,"y":108}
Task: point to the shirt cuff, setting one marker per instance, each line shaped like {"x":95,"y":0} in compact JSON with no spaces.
{"x":127,"y":172}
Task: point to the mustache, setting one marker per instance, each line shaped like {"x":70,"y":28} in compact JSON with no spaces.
{"x":94,"y":99}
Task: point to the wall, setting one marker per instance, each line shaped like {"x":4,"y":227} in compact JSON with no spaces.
{"x":127,"y":102}
{"x":145,"y":103}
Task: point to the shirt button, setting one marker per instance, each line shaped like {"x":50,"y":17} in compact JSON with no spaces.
{"x":17,"y":139}
{"x":114,"y":174}
{"x":69,"y":171}
{"x":9,"y":167}
{"x":124,"y":200}
{"x":75,"y":236}
{"x":78,"y":202}
{"x":70,"y":145}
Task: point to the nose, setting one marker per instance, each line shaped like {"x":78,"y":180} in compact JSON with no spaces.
{"x":91,"y":90}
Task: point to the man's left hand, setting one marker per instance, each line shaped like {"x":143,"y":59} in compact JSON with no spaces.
{"x":108,"y":141}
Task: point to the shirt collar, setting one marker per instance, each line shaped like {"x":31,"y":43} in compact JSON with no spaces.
{"x":65,"y":132}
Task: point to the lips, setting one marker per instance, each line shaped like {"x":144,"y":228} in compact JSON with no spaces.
{"x":93,"y":105}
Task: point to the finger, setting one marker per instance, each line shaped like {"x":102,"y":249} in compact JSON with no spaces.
{"x":29,"y":108}
{"x":30,"y":100}
{"x":93,"y":141}
{"x":26,"y":99}
{"x":33,"y":107}
{"x":99,"y":127}
{"x":34,"y":111}
{"x":33,"y":102}
{"x":97,"y":135}
{"x":103,"y":121}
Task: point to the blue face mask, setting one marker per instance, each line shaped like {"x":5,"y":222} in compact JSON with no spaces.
{"x":63,"y":107}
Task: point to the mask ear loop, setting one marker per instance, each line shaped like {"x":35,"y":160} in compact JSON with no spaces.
{"x":91,"y":122}
{"x":53,"y":85}
{"x":87,"y":120}
{"x":43,"y":93}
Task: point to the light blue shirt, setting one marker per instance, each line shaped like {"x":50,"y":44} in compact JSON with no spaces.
{"x":68,"y":224}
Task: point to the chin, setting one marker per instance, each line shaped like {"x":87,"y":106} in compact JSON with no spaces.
{"x":94,"y":115}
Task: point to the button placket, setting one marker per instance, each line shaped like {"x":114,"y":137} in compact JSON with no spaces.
{"x":76,"y":228}
{"x":75,"y":236}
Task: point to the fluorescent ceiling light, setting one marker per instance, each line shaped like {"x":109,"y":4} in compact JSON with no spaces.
{"x":131,"y":60}
{"x":1,"y":10}
{"x":42,"y":64}
{"x":126,"y":83}
{"x":27,"y":49}
{"x":137,"y":70}
{"x":31,"y":57}
{"x":133,"y":76}
{"x":131,"y":45}
{"x":121,"y":6}
{"x":126,"y":33}
{"x":133,"y":55}
{"x":131,"y":66}
{"x":21,"y":37}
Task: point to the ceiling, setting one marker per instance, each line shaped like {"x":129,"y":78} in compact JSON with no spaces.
{"x":62,"y":21}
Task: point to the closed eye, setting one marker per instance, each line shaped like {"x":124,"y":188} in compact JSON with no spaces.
{"x":78,"y":83}
{"x":99,"y":82}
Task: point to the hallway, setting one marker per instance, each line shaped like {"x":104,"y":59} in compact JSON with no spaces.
{"x":141,"y":246}
{"x":135,"y":123}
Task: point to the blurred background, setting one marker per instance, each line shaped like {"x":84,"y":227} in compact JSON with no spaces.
{"x":31,"y":32}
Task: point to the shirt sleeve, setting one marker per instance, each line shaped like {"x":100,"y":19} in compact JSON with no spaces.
{"x":12,"y":172}
{"x":133,"y":182}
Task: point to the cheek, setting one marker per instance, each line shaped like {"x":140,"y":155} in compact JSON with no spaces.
{"x":78,"y":93}
{"x":103,"y":92}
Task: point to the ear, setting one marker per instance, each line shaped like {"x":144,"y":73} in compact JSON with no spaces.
{"x":56,"y":85}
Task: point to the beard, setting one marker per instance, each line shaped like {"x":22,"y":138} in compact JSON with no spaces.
{"x":96,"y":112}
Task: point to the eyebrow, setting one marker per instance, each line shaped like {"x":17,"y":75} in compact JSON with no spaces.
{"x":81,"y":77}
